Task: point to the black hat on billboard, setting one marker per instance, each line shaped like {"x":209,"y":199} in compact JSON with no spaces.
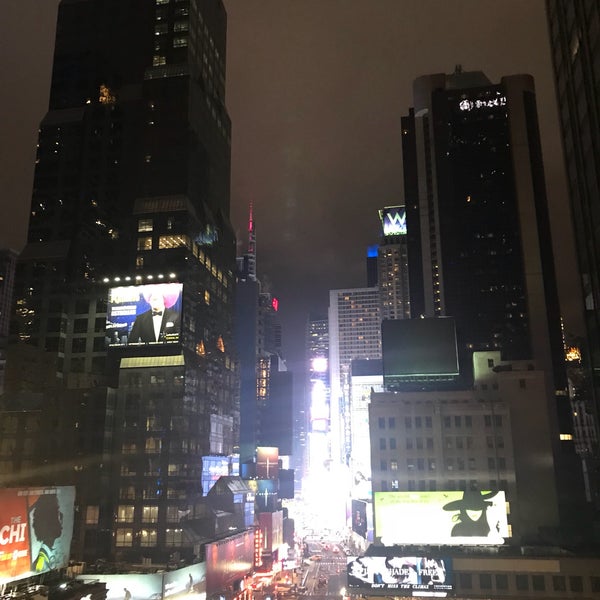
{"x":471,"y":500}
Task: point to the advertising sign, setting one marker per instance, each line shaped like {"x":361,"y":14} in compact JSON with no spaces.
{"x":267,"y":462}
{"x":138,"y":586}
{"x":408,"y":575}
{"x":440,"y":518}
{"x":36,"y":526}
{"x":189,"y":582}
{"x":229,"y":561}
{"x":359,"y":517}
{"x":144,"y":314}
{"x":393,"y":220}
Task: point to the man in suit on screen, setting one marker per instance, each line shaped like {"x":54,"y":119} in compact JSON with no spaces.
{"x":158,"y":324}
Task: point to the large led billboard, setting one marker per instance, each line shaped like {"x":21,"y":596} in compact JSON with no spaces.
{"x":393,"y":220}
{"x":267,"y":462}
{"x":36,"y":526}
{"x":440,"y":518}
{"x":144,"y":314}
{"x":359,"y":517}
{"x":188,"y":582}
{"x":418,"y":349}
{"x":410,"y":575}
{"x":228,"y":561}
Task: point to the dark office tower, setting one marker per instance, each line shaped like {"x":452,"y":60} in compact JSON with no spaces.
{"x":485,"y":237}
{"x":8,"y":260}
{"x":131,"y":198}
{"x":413,"y":228}
{"x":575,"y":42}
{"x":486,"y":251}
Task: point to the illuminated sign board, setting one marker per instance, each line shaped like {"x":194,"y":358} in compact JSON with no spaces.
{"x":228,"y":561}
{"x":36,"y":526}
{"x":440,"y":518}
{"x":359,"y":517}
{"x":410,"y":575}
{"x":267,"y":462}
{"x":144,"y":314}
{"x":468,"y":105}
{"x":393,"y":220}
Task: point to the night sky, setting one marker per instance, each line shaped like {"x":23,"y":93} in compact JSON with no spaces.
{"x":315,"y":91}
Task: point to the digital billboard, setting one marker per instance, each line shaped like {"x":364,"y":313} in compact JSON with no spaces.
{"x":188,"y":582}
{"x":440,"y":518}
{"x":267,"y":462}
{"x":144,"y":314}
{"x":36,"y":526}
{"x":229,"y":561}
{"x":359,"y":517}
{"x":410,"y":575}
{"x":418,"y":348}
{"x":393,"y":220}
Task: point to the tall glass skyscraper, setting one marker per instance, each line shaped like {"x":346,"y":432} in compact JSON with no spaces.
{"x":574,"y":27}
{"x":473,"y":159}
{"x":131,"y":202}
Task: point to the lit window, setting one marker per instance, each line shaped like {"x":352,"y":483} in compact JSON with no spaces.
{"x":145,"y":225}
{"x":180,"y":42}
{"x":174,"y":537}
{"x":181,"y":26}
{"x":166,"y":242}
{"x":159,"y":60}
{"x":92,"y":514}
{"x":144,"y":243}
{"x":148,"y":537}
{"x":125,"y":513}
{"x":150,"y":514}
{"x":124,"y":537}
{"x":153,"y":445}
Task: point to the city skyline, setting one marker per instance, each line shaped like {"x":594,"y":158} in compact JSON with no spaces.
{"x":315,"y":110}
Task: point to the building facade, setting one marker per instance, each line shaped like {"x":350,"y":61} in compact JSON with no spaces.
{"x":486,"y":250}
{"x":354,"y":332}
{"x":574,"y":29}
{"x":131,"y":192}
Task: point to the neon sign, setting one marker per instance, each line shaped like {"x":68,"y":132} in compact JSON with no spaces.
{"x":393,"y":220}
{"x":467,"y":105}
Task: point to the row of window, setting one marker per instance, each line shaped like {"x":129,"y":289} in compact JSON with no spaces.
{"x":432,"y":485}
{"x":124,"y":537}
{"x":154,"y":445}
{"x":458,"y":421}
{"x":420,"y":464}
{"x":151,"y":492}
{"x":450,"y":443}
{"x":525,"y":582}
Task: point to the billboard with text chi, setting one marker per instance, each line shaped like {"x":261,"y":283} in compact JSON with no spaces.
{"x":36,"y":527}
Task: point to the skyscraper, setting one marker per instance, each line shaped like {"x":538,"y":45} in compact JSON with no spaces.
{"x":392,"y":263}
{"x":486,"y":251}
{"x":131,"y":193}
{"x":354,"y":332}
{"x":575,"y":43}
{"x":485,"y":238}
